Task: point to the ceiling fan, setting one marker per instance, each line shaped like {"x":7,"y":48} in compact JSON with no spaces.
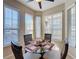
{"x":39,"y":2}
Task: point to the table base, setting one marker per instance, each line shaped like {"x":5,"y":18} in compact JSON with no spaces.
{"x":42,"y":55}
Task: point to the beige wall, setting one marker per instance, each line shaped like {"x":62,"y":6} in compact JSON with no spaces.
{"x":69,"y":2}
{"x":55,"y":9}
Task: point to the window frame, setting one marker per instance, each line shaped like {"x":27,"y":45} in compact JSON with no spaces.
{"x":69,"y":25}
{"x":36,"y":27}
{"x":26,"y":25}
{"x":57,"y":28}
{"x":17,"y":10}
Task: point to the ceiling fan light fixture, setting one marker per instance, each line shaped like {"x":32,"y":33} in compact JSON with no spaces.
{"x":38,"y":0}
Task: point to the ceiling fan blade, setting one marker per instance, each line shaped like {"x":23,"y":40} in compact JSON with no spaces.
{"x":40,"y":5}
{"x":50,"y":0}
{"x":31,"y":0}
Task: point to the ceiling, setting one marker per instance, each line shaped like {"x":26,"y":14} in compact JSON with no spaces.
{"x":45,"y":4}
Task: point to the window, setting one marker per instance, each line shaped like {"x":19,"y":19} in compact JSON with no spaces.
{"x":28,"y":24}
{"x":53,"y":25}
{"x":48,"y":23}
{"x":57,"y":26}
{"x":38,"y":26}
{"x":10,"y":25}
{"x":72,"y":26}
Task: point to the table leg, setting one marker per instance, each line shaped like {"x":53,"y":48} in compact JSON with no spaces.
{"x":41,"y":55}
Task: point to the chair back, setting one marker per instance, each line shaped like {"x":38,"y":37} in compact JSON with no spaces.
{"x":27,"y":38}
{"x":17,"y":51}
{"x":65,"y":51}
{"x":47,"y":37}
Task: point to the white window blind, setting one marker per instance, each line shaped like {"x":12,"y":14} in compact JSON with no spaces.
{"x":11,"y":25}
{"x":57,"y":26}
{"x":28,"y":24}
{"x":38,"y":26}
{"x":53,"y":25}
{"x":48,"y":24}
{"x":72,"y":26}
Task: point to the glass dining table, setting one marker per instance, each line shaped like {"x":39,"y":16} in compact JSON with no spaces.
{"x":39,"y":47}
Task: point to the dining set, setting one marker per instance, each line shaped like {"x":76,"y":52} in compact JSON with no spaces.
{"x":38,"y":46}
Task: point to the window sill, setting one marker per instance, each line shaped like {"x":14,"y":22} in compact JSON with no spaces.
{"x":6,"y":45}
{"x":9,"y":44}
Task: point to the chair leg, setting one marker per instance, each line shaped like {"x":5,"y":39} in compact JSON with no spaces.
{"x":25,"y":51}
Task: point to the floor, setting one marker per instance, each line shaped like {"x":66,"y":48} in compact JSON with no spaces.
{"x":71,"y":54}
{"x":68,"y":57}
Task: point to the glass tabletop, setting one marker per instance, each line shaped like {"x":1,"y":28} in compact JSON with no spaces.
{"x":41,"y":47}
